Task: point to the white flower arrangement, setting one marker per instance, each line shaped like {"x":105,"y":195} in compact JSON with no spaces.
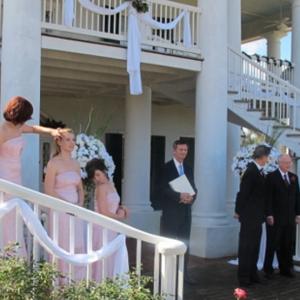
{"x":244,"y":157}
{"x":89,"y":147}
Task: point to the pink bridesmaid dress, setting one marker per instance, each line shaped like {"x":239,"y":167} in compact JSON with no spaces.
{"x":10,"y":169}
{"x":113,"y":201}
{"x":66,"y":187}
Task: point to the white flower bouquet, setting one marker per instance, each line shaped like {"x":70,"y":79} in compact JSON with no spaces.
{"x":244,"y":157}
{"x":89,"y":147}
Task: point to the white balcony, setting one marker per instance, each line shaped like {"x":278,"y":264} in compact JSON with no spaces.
{"x":96,"y":28}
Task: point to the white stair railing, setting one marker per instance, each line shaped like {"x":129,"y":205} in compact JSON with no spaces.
{"x":262,"y":90}
{"x":168,"y":273}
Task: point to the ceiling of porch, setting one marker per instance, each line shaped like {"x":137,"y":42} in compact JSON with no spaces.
{"x":80,"y":76}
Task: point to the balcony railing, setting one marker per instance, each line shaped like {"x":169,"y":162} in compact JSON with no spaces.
{"x":113,"y":29}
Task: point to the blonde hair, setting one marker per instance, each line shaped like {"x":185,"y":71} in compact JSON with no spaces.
{"x":62,"y":131}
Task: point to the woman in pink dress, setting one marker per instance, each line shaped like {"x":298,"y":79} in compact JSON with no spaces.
{"x":63,"y":181}
{"x":107,"y":202}
{"x":16,"y":113}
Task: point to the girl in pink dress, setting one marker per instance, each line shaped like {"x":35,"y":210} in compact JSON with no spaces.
{"x":17,"y":111}
{"x":107,"y":202}
{"x":63,"y":181}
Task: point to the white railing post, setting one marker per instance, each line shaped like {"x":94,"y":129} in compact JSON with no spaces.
{"x":168,"y":276}
{"x":89,"y":250}
{"x":1,"y":221}
{"x":297,"y":252}
{"x":171,"y":271}
{"x":36,"y":246}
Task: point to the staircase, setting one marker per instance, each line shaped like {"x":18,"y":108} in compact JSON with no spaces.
{"x":261,"y":100}
{"x":168,"y":254}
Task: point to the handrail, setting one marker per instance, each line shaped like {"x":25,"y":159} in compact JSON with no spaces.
{"x":267,"y":72}
{"x":167,"y":245}
{"x":168,"y":254}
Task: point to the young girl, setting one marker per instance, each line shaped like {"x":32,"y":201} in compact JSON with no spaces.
{"x":107,"y":202}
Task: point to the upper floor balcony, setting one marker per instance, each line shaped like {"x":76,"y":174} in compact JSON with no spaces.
{"x":113,"y":29}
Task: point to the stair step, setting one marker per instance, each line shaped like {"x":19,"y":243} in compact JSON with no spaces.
{"x":293,"y":135}
{"x":241,"y":101}
{"x":269,"y":119}
{"x":256,"y":109}
{"x":282,"y":127}
{"x":232,"y":92}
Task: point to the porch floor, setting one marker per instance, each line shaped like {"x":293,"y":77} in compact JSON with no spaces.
{"x":217,"y":279}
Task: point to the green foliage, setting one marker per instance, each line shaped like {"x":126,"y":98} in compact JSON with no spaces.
{"x":20,"y":280}
{"x":130,"y":288}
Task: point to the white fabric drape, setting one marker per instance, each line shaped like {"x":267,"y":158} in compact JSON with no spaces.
{"x":134,"y":35}
{"x":117,"y":245}
{"x":69,"y":13}
{"x":262,"y":252}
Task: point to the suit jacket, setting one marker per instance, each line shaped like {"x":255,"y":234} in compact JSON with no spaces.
{"x":251,"y":199}
{"x":283,"y":202}
{"x":169,"y":198}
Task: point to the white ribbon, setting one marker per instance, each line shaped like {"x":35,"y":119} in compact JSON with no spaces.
{"x":117,"y":245}
{"x":134,"y":35}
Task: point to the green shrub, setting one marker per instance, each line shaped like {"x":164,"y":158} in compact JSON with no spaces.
{"x":20,"y":280}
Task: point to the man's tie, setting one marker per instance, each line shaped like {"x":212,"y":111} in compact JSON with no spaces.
{"x":181,"y":172}
{"x":286,"y":181}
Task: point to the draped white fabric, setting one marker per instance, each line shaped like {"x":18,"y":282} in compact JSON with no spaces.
{"x":69,"y":13}
{"x":117,"y":246}
{"x":262,"y":252}
{"x":134,"y":35}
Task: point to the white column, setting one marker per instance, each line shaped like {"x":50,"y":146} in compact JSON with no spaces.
{"x":137,"y":152}
{"x":20,"y":70}
{"x":233,"y":145}
{"x":234,"y":35}
{"x":274,"y":43}
{"x":211,"y":232}
{"x":296,"y":40}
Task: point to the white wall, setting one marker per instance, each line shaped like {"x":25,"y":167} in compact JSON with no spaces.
{"x":171,"y":121}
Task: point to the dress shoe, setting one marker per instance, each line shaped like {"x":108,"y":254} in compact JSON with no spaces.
{"x":245,"y":284}
{"x":190,"y":281}
{"x":269,"y":276}
{"x":288,"y":274}
{"x":255,"y":279}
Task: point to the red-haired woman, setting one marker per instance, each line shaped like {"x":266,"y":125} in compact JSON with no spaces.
{"x":16,"y":113}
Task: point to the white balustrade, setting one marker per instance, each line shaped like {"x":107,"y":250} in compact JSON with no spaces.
{"x":262,"y":89}
{"x":113,"y":29}
{"x":168,"y":256}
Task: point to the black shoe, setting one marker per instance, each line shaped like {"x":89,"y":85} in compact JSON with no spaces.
{"x":190,"y":281}
{"x":255,"y":279}
{"x":288,"y":274}
{"x":269,"y":276}
{"x":245,"y":284}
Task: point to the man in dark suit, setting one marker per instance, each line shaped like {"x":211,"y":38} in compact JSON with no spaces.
{"x":283,"y":211}
{"x":176,"y":207}
{"x":250,"y":210}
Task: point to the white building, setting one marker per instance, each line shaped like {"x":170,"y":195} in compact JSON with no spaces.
{"x":203,"y":93}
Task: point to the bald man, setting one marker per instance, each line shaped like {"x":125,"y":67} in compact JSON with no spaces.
{"x":283,"y":212}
